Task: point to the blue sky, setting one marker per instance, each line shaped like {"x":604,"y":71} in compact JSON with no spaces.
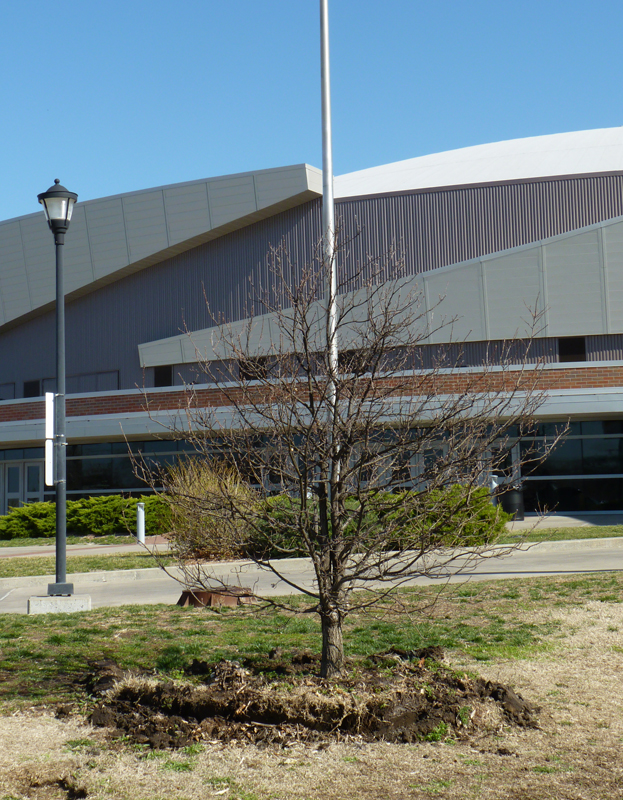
{"x":120,"y":96}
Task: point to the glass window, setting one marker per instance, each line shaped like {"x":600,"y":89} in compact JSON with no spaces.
{"x":550,"y":428}
{"x":572,"y":348}
{"x":92,"y":473}
{"x":163,"y":375}
{"x":575,"y":494}
{"x":32,"y":389}
{"x":120,"y":448}
{"x":34,"y":452}
{"x":12,"y":480}
{"x":123,"y":474}
{"x":602,"y":427}
{"x":185,"y":446}
{"x":33,"y":478}
{"x":602,"y":456}
{"x":156,"y":446}
{"x":564,"y":459}
{"x":97,"y":449}
{"x":160,"y":447}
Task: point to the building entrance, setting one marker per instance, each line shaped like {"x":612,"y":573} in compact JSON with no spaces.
{"x":21,"y":483}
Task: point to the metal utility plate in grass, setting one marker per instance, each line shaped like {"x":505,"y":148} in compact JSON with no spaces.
{"x":230,"y":597}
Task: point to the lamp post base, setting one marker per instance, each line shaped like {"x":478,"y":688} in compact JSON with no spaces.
{"x":55,"y":589}
{"x":59,"y":604}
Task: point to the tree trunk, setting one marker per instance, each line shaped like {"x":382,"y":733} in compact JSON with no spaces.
{"x":332,"y":662}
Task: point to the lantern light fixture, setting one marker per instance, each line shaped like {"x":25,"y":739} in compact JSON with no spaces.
{"x":58,"y":205}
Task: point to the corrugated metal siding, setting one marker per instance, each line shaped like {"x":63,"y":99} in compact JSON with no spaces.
{"x":438,"y":228}
{"x":432,"y":228}
{"x":604,"y":348}
{"x":104,"y":328}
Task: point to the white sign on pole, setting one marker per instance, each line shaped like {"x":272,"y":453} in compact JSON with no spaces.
{"x":49,"y":439}
{"x":49,"y":462}
{"x":49,"y":415}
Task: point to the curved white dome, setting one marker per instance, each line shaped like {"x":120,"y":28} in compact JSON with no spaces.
{"x":580,"y":152}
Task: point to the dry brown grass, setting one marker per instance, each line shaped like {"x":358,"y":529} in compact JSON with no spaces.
{"x":575,"y":755}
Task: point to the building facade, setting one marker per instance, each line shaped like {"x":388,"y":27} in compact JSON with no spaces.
{"x":496,"y":231}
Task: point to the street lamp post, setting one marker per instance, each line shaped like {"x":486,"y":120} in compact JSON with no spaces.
{"x":58,"y":205}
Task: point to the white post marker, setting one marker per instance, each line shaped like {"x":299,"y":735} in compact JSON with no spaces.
{"x":49,"y":439}
{"x":140,"y":522}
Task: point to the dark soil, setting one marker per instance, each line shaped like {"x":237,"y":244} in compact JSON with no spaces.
{"x":402,"y":697}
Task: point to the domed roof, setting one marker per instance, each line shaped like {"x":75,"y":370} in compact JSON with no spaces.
{"x":576,"y":153}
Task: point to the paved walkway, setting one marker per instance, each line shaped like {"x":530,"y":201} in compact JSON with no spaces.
{"x":148,"y":586}
{"x":566,"y":521}
{"x":84,"y":549}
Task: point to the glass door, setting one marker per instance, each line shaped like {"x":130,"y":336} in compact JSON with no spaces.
{"x":12,"y":485}
{"x":21,"y":483}
{"x":33,"y":482}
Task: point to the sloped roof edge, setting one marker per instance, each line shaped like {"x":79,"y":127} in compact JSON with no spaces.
{"x":115,"y":236}
{"x":487,"y":298}
{"x":552,"y":155}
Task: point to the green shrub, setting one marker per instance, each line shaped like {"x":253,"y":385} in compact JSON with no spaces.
{"x":276,"y":534}
{"x":204,"y":523}
{"x":448,"y":517}
{"x":453,"y":516}
{"x":106,"y":515}
{"x":157,"y":514}
{"x":29,"y":522}
{"x":95,"y":516}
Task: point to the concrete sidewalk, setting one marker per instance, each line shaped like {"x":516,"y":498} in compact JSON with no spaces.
{"x":565,"y":521}
{"x":148,"y":586}
{"x":550,"y":549}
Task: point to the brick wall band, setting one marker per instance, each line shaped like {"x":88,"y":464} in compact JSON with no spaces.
{"x":433,"y":383}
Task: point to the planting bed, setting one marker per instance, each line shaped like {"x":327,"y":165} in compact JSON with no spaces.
{"x":404,"y":697}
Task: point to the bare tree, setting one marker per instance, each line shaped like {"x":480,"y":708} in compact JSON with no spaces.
{"x":375,"y":471}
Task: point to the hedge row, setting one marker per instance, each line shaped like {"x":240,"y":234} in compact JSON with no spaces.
{"x":435,"y":516}
{"x":450,"y":517}
{"x":97,"y":516}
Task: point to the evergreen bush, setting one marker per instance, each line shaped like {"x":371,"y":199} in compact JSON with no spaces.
{"x":91,"y":516}
{"x":456,"y":516}
{"x":451,"y":517}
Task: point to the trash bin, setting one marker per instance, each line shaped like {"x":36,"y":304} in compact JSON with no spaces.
{"x":512,"y":502}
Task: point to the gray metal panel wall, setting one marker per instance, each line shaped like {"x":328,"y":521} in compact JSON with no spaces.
{"x":604,"y":348}
{"x":442,"y":227}
{"x":434,"y":229}
{"x":105,"y":327}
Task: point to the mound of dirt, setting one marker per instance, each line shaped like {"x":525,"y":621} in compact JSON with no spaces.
{"x":405,"y":697}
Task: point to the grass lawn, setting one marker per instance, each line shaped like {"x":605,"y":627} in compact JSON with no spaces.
{"x":563,"y":534}
{"x":43,"y":660}
{"x":113,"y":539}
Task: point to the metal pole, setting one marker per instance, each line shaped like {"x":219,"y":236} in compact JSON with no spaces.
{"x":328,"y":203}
{"x":61,"y":586}
{"x":328,"y":211}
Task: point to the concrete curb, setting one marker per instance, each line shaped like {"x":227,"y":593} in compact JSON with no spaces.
{"x":128,"y":575}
